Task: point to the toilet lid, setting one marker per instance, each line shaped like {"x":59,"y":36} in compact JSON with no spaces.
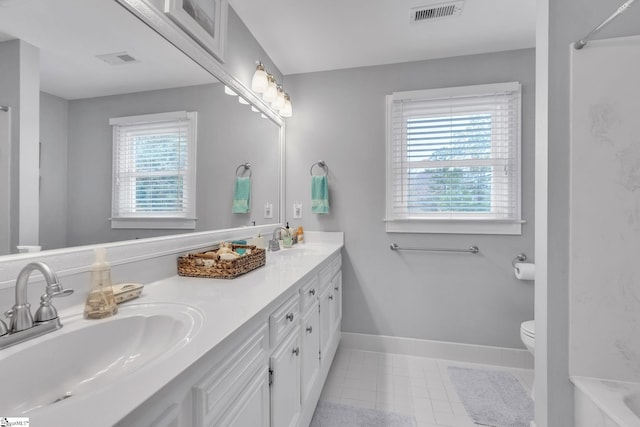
{"x":528,"y":328}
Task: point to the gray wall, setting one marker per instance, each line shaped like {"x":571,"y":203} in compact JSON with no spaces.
{"x":569,"y":20}
{"x":339,"y":116}
{"x":10,"y":96}
{"x":54,"y":136}
{"x":229,"y":134}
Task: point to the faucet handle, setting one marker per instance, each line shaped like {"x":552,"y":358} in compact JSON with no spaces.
{"x":3,"y":328}
{"x":46,"y":311}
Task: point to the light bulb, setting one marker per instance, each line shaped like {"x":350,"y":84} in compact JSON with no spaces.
{"x":260,"y":81}
{"x":278,"y":103}
{"x":287,"y":108}
{"x":271,"y":93}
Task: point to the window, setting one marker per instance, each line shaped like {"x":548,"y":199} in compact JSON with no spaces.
{"x":453,"y":160}
{"x":154,"y":171}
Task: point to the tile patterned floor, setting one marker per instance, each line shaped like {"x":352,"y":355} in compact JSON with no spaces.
{"x":408,"y":385}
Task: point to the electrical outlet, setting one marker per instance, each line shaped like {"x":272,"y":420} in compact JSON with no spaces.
{"x":297,"y":210}
{"x":268,"y":210}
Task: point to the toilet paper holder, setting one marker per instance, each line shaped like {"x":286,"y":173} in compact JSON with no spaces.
{"x":519,"y":258}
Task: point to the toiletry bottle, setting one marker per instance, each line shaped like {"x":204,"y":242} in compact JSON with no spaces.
{"x":300,"y":235}
{"x":100,"y":301}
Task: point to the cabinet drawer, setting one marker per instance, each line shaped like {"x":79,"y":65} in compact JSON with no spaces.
{"x":309,"y":293}
{"x":218,"y":391}
{"x":283,"y":320}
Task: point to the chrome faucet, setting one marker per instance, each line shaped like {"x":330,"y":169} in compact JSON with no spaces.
{"x":273,"y":243}
{"x":22,"y":325}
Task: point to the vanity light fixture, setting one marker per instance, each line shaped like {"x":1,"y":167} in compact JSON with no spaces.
{"x":271,"y":93}
{"x":278,"y":103}
{"x":260,"y":80}
{"x":287,"y":108}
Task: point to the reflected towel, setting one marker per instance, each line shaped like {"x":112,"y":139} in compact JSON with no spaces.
{"x":319,"y":194}
{"x":242,"y":195}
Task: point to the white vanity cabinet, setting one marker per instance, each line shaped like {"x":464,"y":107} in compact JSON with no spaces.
{"x":285,"y":382}
{"x":268,"y":373}
{"x":310,"y":332}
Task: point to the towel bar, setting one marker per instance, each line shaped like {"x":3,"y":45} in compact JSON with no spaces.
{"x":471,"y":250}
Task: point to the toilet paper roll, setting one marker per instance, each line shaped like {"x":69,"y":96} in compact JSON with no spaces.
{"x":525,"y":271}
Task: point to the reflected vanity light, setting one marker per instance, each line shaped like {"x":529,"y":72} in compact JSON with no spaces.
{"x":229,"y":91}
{"x":243,"y":101}
{"x":273,"y":93}
{"x":254,"y":109}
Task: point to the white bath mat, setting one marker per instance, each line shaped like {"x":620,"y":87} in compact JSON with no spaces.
{"x":492,"y":398}
{"x":329,"y":414}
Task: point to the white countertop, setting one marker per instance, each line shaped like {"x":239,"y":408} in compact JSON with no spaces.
{"x":225,"y":305}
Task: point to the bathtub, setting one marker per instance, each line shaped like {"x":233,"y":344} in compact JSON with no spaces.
{"x":603,"y":403}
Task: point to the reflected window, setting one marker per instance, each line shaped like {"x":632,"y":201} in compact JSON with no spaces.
{"x":154,"y":171}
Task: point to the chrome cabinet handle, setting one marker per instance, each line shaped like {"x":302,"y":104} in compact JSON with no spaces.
{"x":309,"y":329}
{"x":336,"y":288}
{"x":312,"y":292}
{"x":296,"y":351}
{"x":330,"y":297}
{"x":290,"y":317}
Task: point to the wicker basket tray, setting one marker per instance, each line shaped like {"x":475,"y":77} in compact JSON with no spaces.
{"x":190,"y":265}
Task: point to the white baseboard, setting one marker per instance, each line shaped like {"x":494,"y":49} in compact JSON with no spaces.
{"x":508,"y":357}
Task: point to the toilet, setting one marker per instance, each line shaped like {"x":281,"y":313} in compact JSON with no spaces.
{"x":528,"y":337}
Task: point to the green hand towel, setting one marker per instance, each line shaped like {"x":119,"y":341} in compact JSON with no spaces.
{"x":319,"y":194}
{"x":242,"y":195}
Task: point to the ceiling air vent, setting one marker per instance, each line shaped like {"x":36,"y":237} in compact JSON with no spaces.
{"x":436,"y":11}
{"x":117,"y":58}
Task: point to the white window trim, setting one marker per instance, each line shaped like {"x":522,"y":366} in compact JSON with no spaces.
{"x":159,"y":222}
{"x":476,"y":224}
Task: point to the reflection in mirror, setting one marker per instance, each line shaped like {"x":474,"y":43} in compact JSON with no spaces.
{"x":97,"y":62}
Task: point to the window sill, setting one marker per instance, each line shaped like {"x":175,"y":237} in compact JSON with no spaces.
{"x":454,"y":226}
{"x":150,"y":223}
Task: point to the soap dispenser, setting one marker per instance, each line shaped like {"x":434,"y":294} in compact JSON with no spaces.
{"x":100,"y":301}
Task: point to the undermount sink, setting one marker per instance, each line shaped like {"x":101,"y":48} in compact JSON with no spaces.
{"x":87,"y":355}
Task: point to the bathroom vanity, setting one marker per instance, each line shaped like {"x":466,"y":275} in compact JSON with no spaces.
{"x":253,"y":351}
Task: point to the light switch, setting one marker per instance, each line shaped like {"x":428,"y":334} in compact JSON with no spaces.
{"x":268,"y":210}
{"x":297,"y":210}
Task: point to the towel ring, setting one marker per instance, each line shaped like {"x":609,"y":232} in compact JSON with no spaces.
{"x":323,"y":165}
{"x":518,"y":258}
{"x":246,"y":166}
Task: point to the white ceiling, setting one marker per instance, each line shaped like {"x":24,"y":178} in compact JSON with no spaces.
{"x":70,"y":33}
{"x":304,"y":36}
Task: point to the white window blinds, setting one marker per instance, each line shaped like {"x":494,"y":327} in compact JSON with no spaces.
{"x":154,"y":169}
{"x":453,"y":155}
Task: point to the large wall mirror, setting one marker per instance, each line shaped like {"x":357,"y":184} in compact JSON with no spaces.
{"x":98,"y":61}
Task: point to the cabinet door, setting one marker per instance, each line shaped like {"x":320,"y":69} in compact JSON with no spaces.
{"x":336,"y":285}
{"x":310,"y":350}
{"x":251,"y":408}
{"x":285,"y":386}
{"x":326,"y":300}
